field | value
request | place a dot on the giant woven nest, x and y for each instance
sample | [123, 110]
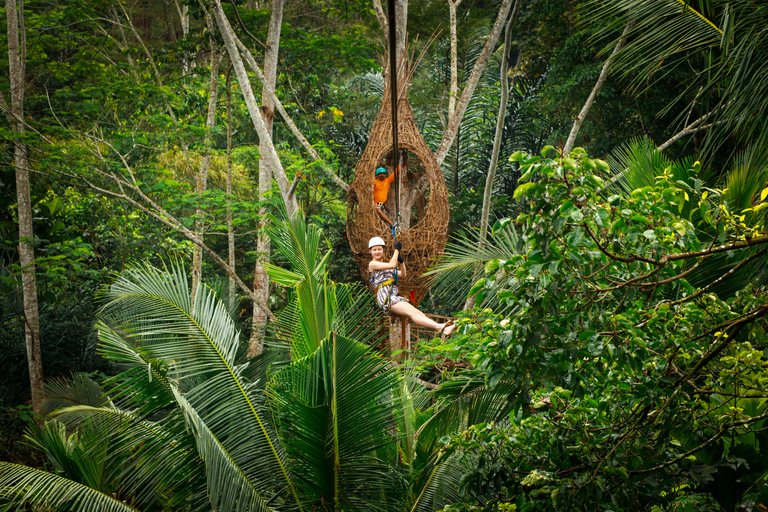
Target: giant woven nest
[423, 204]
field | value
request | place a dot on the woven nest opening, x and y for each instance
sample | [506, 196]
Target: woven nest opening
[424, 206]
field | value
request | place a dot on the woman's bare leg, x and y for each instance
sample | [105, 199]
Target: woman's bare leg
[407, 309]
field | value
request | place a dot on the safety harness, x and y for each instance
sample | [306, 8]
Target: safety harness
[389, 295]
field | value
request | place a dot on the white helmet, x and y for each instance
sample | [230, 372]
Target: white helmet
[373, 242]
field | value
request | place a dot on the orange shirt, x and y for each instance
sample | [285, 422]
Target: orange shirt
[381, 188]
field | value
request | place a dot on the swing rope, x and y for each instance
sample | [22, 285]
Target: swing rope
[394, 97]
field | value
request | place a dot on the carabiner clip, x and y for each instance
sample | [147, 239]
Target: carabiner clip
[396, 229]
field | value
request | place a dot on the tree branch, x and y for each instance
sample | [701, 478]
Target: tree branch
[159, 213]
[279, 106]
[466, 95]
[600, 80]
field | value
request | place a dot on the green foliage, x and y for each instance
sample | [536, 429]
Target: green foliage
[723, 59]
[599, 318]
[186, 424]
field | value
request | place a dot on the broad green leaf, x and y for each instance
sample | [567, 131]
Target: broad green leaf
[522, 189]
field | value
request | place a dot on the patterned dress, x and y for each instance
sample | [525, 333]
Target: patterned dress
[386, 294]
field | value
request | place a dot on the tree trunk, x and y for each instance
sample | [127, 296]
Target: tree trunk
[401, 13]
[499, 124]
[291, 125]
[230, 225]
[250, 100]
[183, 11]
[201, 180]
[16, 63]
[454, 91]
[489, 180]
[474, 77]
[452, 8]
[381, 16]
[124, 46]
[260, 278]
[591, 99]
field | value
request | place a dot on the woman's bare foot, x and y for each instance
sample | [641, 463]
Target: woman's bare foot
[446, 329]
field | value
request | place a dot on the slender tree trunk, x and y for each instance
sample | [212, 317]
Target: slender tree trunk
[452, 9]
[401, 12]
[455, 177]
[591, 99]
[250, 100]
[489, 180]
[260, 277]
[499, 123]
[16, 63]
[201, 180]
[230, 224]
[454, 91]
[288, 121]
[170, 21]
[147, 53]
[183, 11]
[119, 24]
[381, 16]
[474, 77]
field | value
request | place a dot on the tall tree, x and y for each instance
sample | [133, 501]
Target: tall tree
[453, 123]
[230, 219]
[17, 49]
[255, 112]
[260, 278]
[504, 79]
[453, 7]
[201, 180]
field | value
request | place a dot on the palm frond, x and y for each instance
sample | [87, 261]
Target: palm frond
[143, 386]
[655, 36]
[26, 485]
[467, 402]
[148, 460]
[79, 390]
[368, 84]
[466, 256]
[299, 243]
[438, 484]
[746, 179]
[154, 308]
[336, 408]
[229, 487]
[723, 52]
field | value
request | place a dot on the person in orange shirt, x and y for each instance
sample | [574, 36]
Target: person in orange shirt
[381, 185]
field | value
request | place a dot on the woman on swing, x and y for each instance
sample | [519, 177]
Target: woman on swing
[381, 275]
